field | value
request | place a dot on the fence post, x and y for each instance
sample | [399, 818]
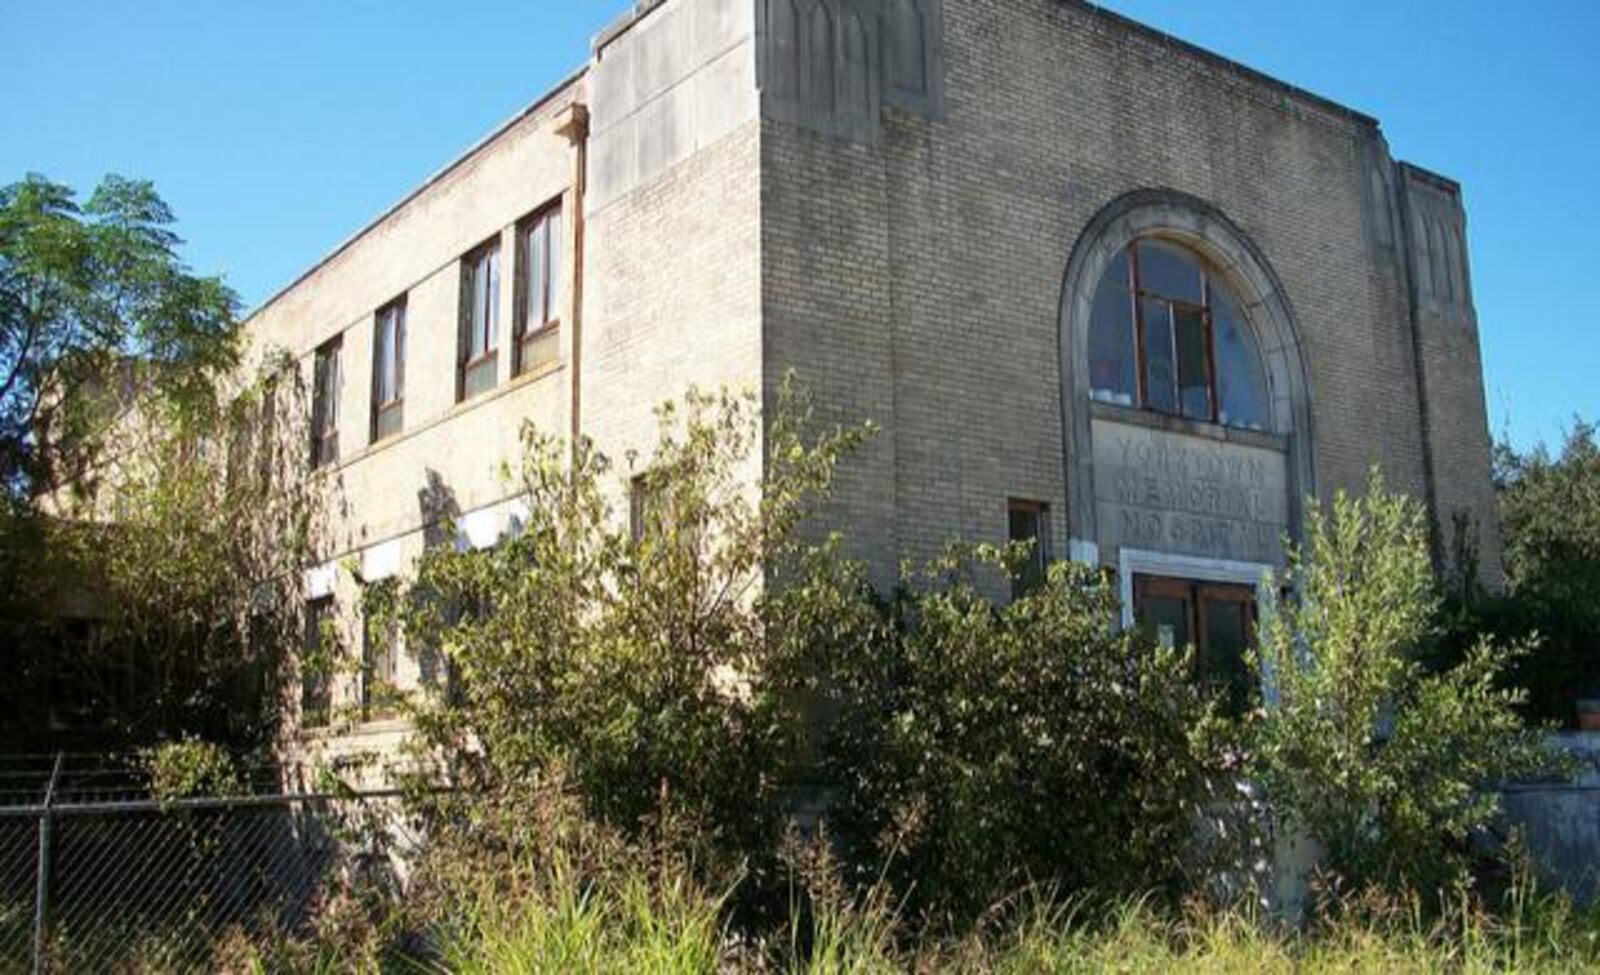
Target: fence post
[41, 901]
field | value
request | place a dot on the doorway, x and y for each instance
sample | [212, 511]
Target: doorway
[1217, 618]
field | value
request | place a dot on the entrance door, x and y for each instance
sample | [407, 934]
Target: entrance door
[1218, 619]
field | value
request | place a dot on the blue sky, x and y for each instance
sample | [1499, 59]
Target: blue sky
[277, 129]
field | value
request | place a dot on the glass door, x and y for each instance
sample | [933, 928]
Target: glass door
[1218, 619]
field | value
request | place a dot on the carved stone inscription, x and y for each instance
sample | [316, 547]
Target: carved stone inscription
[1168, 492]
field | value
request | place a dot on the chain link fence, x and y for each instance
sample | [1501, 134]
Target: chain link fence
[95, 878]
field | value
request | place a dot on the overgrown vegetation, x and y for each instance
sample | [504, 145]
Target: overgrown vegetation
[155, 516]
[648, 668]
[981, 745]
[1386, 764]
[667, 725]
[587, 900]
[1550, 526]
[970, 746]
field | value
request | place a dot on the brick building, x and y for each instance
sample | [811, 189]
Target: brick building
[1096, 285]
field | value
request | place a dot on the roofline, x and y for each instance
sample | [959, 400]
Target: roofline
[1244, 70]
[439, 174]
[1438, 181]
[624, 22]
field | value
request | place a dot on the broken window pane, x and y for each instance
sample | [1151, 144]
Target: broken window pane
[1194, 389]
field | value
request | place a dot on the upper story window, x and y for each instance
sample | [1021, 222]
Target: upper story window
[480, 320]
[1167, 336]
[539, 247]
[325, 403]
[388, 368]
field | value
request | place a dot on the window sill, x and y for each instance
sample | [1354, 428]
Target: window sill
[1150, 419]
[455, 410]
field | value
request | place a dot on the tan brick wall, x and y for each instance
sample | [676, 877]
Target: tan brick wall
[911, 271]
[918, 281]
[673, 297]
[415, 250]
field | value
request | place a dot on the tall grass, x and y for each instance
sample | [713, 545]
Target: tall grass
[640, 923]
[563, 921]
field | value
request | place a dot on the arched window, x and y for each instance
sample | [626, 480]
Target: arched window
[1166, 335]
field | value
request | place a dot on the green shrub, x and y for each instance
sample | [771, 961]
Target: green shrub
[192, 768]
[1386, 764]
[638, 667]
[982, 745]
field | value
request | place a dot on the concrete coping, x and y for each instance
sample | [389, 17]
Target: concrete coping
[1226, 63]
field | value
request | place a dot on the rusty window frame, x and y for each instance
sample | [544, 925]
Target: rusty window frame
[468, 329]
[1137, 292]
[523, 325]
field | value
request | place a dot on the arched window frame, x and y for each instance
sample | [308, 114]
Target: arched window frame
[1141, 295]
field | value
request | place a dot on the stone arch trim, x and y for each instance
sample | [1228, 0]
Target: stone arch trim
[1202, 227]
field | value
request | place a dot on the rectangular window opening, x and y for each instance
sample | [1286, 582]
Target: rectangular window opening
[388, 369]
[480, 313]
[379, 654]
[539, 289]
[325, 403]
[1028, 521]
[316, 663]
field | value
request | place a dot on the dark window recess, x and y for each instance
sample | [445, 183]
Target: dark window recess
[1217, 619]
[1028, 521]
[1166, 336]
[539, 290]
[480, 320]
[379, 653]
[325, 403]
[388, 369]
[639, 507]
[316, 697]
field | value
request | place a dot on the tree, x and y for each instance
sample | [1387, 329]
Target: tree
[639, 666]
[1388, 765]
[1550, 510]
[94, 303]
[155, 515]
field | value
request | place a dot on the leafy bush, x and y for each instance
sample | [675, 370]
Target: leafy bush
[1385, 763]
[980, 746]
[638, 666]
[190, 768]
